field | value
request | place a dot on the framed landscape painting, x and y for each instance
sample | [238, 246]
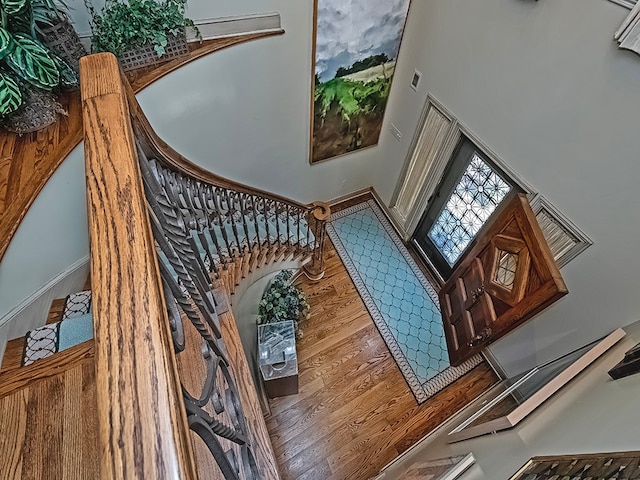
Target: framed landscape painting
[356, 44]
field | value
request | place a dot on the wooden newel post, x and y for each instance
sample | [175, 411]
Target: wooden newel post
[143, 429]
[321, 212]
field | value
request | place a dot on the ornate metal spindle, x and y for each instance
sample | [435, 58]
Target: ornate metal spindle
[309, 221]
[194, 248]
[204, 241]
[298, 221]
[255, 246]
[286, 216]
[276, 210]
[230, 201]
[218, 221]
[265, 213]
[256, 221]
[210, 216]
[243, 199]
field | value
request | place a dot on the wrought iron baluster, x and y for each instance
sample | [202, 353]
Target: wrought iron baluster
[243, 199]
[266, 220]
[230, 201]
[276, 210]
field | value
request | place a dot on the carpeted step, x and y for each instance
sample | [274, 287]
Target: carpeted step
[75, 327]
[14, 352]
[77, 305]
[45, 341]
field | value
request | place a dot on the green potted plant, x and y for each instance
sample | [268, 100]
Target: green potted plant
[282, 300]
[140, 32]
[29, 72]
[52, 25]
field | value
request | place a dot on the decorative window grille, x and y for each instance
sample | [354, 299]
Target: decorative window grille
[473, 200]
[469, 191]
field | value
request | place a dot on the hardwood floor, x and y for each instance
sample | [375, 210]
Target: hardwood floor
[49, 428]
[354, 412]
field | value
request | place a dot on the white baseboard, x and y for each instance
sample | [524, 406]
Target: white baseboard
[232, 26]
[32, 311]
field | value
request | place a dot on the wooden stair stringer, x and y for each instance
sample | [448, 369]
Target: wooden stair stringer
[14, 350]
[18, 378]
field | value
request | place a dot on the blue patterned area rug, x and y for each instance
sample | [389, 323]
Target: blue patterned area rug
[402, 302]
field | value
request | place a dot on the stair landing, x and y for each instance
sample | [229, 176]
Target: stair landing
[50, 428]
[48, 413]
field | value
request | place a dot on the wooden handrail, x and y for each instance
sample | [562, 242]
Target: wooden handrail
[162, 231]
[143, 426]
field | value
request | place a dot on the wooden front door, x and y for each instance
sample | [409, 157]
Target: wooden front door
[507, 277]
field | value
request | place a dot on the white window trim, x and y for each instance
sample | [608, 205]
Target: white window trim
[625, 3]
[436, 170]
[564, 226]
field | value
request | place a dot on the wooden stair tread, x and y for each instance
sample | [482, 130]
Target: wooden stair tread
[14, 379]
[50, 428]
[56, 310]
[12, 355]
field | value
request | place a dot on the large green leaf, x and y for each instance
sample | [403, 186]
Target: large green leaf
[14, 7]
[6, 42]
[10, 95]
[32, 62]
[68, 76]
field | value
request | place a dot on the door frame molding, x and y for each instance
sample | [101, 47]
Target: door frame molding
[456, 131]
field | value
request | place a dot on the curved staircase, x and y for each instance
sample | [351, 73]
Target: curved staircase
[164, 389]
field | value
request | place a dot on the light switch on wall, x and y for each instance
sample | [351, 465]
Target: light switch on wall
[415, 80]
[395, 132]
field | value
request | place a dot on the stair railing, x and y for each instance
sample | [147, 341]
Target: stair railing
[214, 201]
[163, 232]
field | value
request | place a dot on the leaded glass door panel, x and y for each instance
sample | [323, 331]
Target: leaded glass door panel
[470, 191]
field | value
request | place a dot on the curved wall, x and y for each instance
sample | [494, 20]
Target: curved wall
[244, 113]
[52, 237]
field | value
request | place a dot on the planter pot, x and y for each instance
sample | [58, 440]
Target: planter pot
[146, 56]
[62, 39]
[40, 109]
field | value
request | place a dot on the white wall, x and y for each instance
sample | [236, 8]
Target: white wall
[52, 237]
[543, 85]
[244, 113]
[592, 414]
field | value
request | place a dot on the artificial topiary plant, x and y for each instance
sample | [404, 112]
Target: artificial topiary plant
[122, 25]
[283, 301]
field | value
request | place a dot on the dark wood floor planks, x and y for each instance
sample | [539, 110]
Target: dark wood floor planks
[354, 412]
[49, 429]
